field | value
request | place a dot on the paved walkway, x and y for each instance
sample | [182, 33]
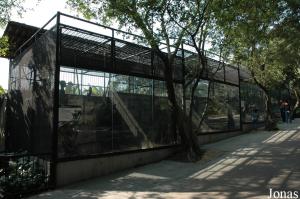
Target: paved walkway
[245, 166]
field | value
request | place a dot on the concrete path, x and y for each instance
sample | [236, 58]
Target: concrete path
[245, 166]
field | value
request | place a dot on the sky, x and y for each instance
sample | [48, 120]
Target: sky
[40, 14]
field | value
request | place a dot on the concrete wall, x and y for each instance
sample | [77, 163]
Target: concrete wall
[208, 138]
[214, 137]
[78, 170]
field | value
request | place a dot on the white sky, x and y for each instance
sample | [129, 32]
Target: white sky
[40, 14]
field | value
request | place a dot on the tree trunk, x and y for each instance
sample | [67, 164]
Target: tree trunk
[296, 105]
[270, 123]
[184, 123]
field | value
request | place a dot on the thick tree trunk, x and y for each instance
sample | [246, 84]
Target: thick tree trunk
[188, 136]
[184, 123]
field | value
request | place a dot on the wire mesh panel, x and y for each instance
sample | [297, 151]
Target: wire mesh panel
[215, 107]
[215, 69]
[80, 48]
[85, 113]
[2, 122]
[223, 111]
[245, 75]
[212, 69]
[30, 102]
[104, 112]
[132, 58]
[252, 99]
[231, 75]
[178, 69]
[159, 67]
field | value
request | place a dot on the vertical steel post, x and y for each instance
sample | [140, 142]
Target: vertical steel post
[153, 88]
[240, 102]
[7, 106]
[113, 51]
[55, 104]
[113, 60]
[224, 69]
[183, 77]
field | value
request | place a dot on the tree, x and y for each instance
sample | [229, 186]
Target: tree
[2, 91]
[2, 95]
[288, 52]
[3, 46]
[168, 21]
[6, 9]
[247, 26]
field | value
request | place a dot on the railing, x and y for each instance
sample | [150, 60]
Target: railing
[22, 174]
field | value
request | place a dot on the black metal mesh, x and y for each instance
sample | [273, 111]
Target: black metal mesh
[132, 74]
[132, 59]
[215, 69]
[218, 104]
[80, 48]
[2, 122]
[104, 112]
[30, 102]
[158, 66]
[252, 98]
[231, 75]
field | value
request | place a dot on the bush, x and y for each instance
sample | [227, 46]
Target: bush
[21, 176]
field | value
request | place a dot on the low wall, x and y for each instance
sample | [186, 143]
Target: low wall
[213, 137]
[247, 127]
[73, 171]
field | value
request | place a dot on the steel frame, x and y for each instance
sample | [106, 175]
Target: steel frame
[58, 28]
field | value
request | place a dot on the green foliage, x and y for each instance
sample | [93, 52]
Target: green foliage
[93, 91]
[157, 20]
[287, 51]
[21, 176]
[6, 7]
[247, 26]
[3, 46]
[97, 91]
[72, 88]
[2, 91]
[261, 36]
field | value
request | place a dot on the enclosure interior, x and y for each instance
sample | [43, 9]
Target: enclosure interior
[216, 97]
[252, 99]
[112, 96]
